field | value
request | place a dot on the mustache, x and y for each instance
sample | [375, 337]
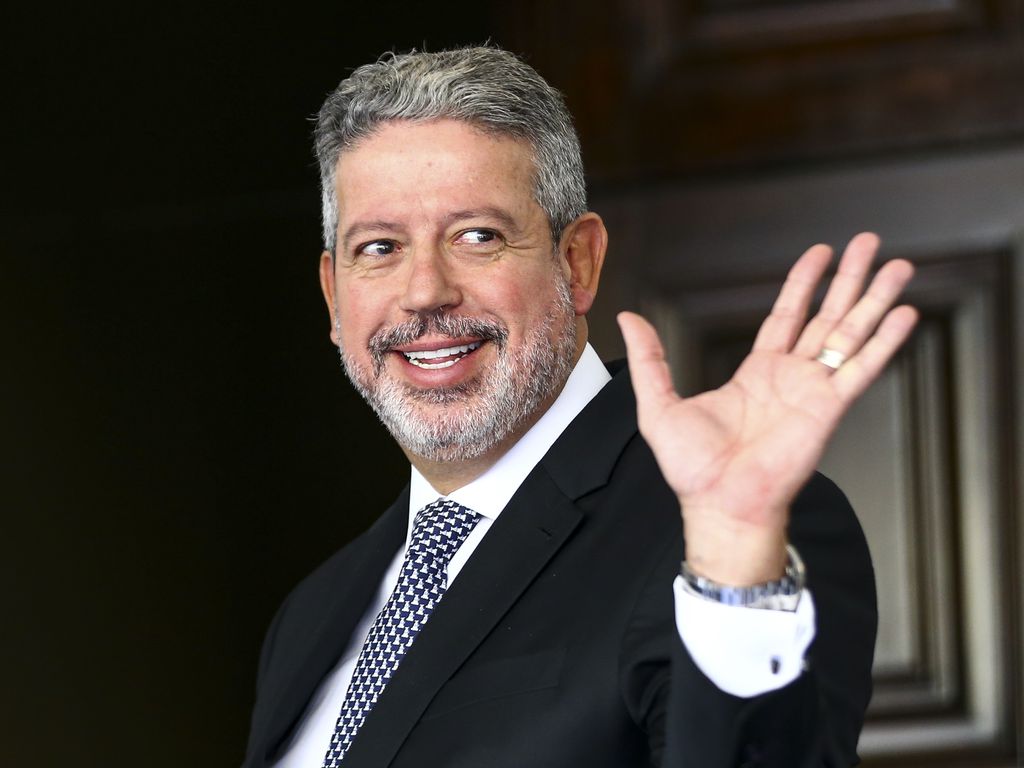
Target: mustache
[439, 323]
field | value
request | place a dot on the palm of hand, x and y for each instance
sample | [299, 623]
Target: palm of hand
[737, 456]
[749, 445]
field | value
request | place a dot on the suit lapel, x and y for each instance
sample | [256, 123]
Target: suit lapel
[356, 586]
[582, 459]
[538, 520]
[529, 531]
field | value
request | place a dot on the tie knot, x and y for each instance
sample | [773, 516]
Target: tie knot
[440, 528]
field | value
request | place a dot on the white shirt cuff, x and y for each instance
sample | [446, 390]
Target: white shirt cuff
[744, 651]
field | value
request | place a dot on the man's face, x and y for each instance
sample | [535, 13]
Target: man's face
[453, 310]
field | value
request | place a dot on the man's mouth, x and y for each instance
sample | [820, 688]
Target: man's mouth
[445, 357]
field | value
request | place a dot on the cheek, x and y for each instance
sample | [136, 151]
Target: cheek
[359, 314]
[531, 288]
[523, 304]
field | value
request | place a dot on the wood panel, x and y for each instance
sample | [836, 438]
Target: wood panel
[928, 457]
[664, 87]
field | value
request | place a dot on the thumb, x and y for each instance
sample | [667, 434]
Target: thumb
[652, 382]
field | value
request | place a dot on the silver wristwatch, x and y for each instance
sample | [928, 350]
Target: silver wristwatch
[781, 595]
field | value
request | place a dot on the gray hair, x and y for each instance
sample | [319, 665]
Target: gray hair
[486, 87]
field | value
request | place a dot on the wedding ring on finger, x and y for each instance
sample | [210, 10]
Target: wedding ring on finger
[831, 358]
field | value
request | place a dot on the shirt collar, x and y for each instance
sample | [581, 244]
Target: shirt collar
[489, 493]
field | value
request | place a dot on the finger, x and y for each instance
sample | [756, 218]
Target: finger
[652, 381]
[861, 321]
[858, 373]
[843, 292]
[779, 330]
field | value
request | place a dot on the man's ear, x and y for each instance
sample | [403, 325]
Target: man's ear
[584, 243]
[327, 286]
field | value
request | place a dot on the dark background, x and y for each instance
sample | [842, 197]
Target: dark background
[180, 444]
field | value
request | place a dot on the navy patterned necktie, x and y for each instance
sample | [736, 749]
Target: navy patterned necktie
[438, 531]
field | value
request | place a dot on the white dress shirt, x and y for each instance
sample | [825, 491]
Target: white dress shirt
[745, 652]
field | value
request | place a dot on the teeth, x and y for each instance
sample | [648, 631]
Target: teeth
[429, 354]
[434, 366]
[421, 357]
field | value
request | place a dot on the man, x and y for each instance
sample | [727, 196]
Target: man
[521, 603]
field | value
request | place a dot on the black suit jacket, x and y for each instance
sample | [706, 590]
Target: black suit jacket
[556, 646]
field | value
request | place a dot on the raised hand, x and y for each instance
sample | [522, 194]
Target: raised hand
[737, 456]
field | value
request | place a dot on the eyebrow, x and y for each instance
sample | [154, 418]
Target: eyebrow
[361, 227]
[487, 211]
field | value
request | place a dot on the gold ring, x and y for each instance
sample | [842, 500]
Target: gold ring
[832, 358]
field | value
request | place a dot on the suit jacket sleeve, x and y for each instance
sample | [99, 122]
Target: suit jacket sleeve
[816, 720]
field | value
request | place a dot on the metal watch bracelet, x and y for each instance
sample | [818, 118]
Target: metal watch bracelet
[780, 595]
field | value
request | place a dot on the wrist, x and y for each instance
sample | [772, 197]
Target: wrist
[734, 553]
[781, 594]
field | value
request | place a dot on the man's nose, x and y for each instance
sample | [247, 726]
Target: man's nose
[431, 283]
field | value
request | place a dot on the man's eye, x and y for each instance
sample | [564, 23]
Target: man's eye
[377, 248]
[478, 237]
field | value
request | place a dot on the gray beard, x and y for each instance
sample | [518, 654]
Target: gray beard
[468, 420]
